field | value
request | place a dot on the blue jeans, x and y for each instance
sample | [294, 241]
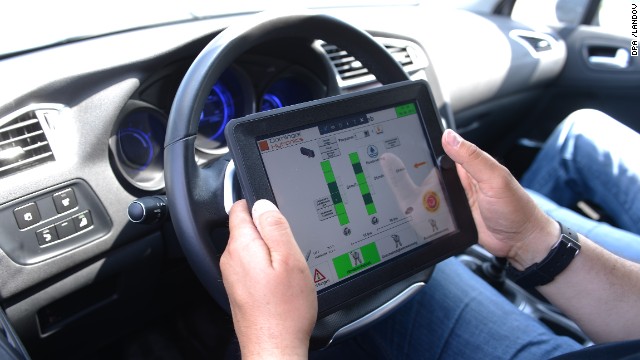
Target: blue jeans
[591, 156]
[456, 316]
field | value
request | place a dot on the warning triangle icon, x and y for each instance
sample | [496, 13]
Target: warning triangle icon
[317, 276]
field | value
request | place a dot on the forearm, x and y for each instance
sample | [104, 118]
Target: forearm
[600, 292]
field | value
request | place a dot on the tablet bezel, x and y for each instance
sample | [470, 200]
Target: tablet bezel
[242, 135]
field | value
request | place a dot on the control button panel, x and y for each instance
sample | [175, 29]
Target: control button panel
[47, 236]
[82, 221]
[65, 201]
[65, 228]
[51, 222]
[27, 215]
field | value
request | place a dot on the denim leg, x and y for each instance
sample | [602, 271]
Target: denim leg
[620, 242]
[591, 156]
[456, 316]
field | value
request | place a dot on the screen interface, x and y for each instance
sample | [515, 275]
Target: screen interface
[357, 191]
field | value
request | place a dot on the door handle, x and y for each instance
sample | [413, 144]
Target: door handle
[619, 60]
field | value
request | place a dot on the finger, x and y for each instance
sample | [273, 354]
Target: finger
[465, 179]
[240, 220]
[398, 178]
[275, 231]
[243, 235]
[477, 163]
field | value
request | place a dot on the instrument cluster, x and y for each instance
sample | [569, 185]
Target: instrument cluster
[137, 142]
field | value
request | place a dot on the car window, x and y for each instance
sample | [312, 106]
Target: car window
[34, 23]
[615, 16]
[478, 6]
[37, 23]
[571, 12]
[550, 12]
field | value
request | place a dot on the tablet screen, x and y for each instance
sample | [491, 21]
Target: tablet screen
[358, 191]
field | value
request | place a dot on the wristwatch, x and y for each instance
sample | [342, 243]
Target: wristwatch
[543, 272]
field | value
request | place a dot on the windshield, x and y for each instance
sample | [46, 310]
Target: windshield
[37, 23]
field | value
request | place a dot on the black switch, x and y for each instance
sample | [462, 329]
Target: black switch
[82, 221]
[47, 235]
[65, 229]
[27, 215]
[65, 201]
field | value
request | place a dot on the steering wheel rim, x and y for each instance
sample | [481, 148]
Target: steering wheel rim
[195, 198]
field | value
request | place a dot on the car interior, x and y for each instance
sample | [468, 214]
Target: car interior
[115, 173]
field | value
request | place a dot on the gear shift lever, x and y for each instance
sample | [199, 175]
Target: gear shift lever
[494, 272]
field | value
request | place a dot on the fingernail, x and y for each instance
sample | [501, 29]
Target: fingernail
[261, 206]
[453, 139]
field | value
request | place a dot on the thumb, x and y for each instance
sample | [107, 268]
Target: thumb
[275, 231]
[477, 163]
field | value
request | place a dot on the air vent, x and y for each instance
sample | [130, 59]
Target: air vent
[23, 142]
[345, 65]
[351, 72]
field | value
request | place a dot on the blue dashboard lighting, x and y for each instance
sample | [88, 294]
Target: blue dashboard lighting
[270, 102]
[218, 110]
[137, 147]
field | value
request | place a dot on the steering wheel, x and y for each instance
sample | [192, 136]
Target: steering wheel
[196, 194]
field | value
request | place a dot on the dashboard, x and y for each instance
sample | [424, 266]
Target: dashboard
[82, 134]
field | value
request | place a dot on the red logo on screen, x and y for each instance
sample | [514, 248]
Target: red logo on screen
[263, 145]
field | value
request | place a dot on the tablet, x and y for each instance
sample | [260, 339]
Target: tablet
[364, 182]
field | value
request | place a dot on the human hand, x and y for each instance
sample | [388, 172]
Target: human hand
[509, 222]
[273, 300]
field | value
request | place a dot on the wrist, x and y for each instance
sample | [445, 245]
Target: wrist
[273, 350]
[275, 354]
[535, 247]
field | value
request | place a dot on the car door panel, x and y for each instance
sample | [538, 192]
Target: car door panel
[599, 73]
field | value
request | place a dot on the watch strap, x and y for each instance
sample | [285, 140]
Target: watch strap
[543, 272]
